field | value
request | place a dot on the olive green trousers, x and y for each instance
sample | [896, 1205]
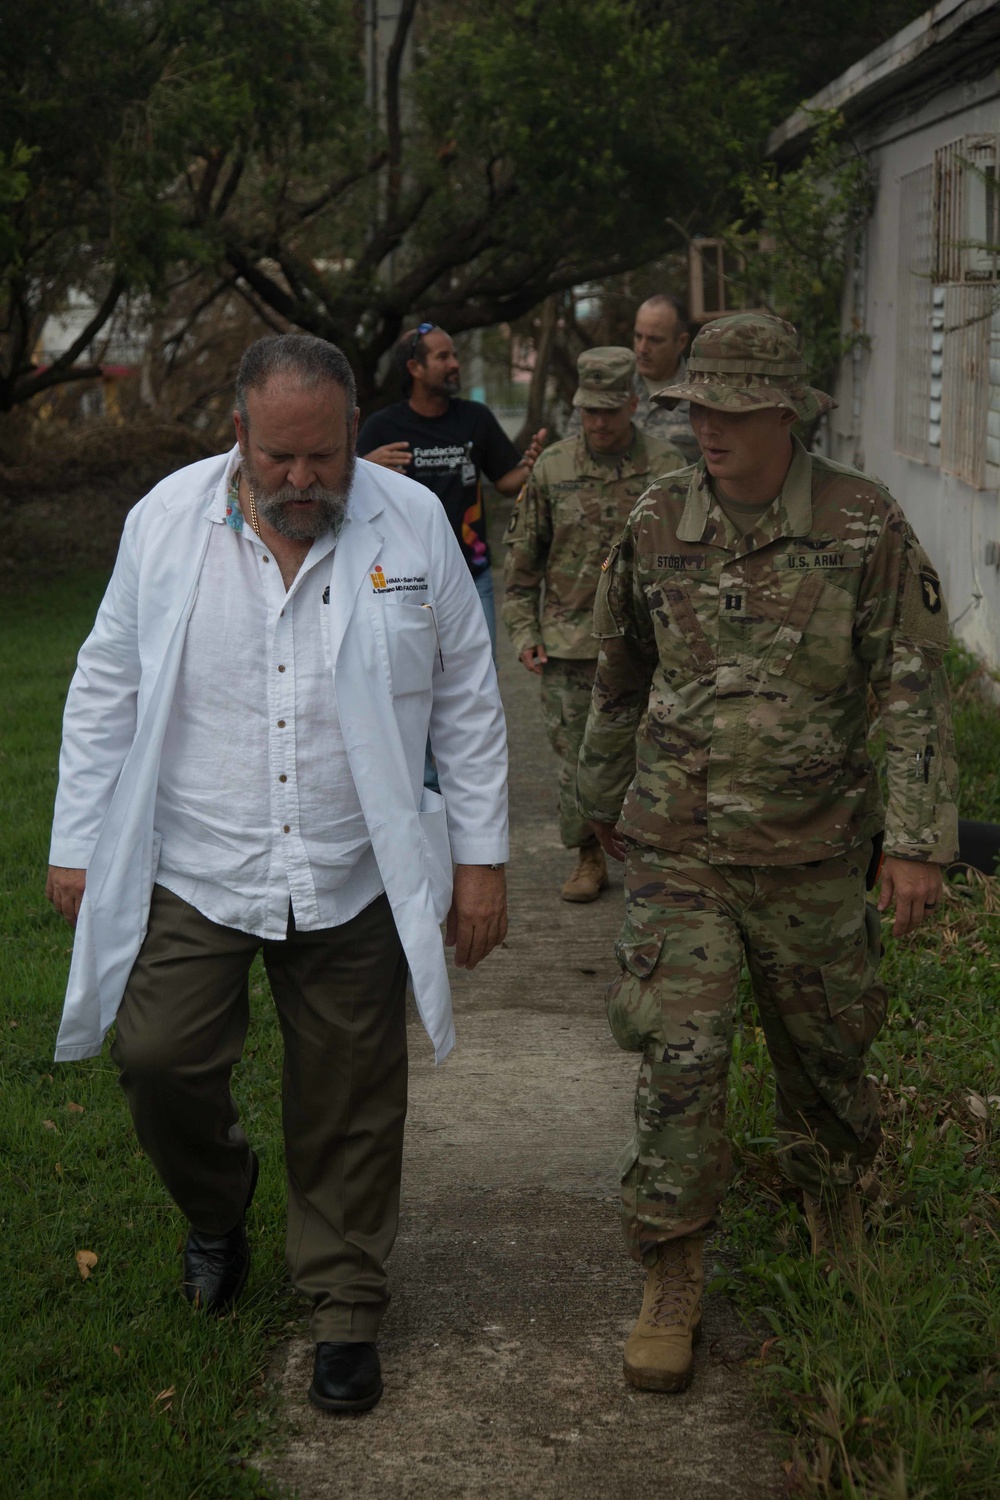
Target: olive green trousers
[340, 998]
[566, 691]
[812, 946]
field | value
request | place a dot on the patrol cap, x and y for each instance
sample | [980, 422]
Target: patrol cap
[746, 362]
[606, 377]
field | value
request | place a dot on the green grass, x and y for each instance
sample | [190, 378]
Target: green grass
[109, 1386]
[978, 739]
[885, 1376]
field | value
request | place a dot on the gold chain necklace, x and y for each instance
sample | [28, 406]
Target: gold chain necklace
[253, 507]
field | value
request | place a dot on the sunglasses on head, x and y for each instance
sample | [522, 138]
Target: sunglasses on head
[418, 335]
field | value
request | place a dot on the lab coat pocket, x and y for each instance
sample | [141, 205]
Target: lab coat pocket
[412, 641]
[437, 850]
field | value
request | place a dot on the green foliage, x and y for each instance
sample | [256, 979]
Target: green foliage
[795, 238]
[106, 108]
[522, 154]
[977, 730]
[798, 49]
[109, 1386]
[579, 138]
[534, 145]
[14, 185]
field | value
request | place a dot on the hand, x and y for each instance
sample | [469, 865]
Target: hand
[533, 449]
[478, 917]
[915, 886]
[64, 888]
[534, 658]
[391, 456]
[610, 840]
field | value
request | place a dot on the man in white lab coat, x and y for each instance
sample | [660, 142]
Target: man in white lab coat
[241, 770]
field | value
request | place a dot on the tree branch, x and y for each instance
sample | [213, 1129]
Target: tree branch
[263, 285]
[23, 390]
[209, 177]
[390, 235]
[229, 187]
[59, 371]
[393, 122]
[260, 308]
[174, 340]
[306, 211]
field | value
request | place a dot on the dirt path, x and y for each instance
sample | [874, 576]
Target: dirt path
[501, 1352]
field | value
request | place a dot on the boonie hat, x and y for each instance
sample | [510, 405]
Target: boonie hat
[606, 377]
[746, 362]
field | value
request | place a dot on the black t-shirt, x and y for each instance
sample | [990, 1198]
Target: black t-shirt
[448, 454]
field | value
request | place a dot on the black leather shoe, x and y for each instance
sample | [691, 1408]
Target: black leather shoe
[216, 1266]
[346, 1377]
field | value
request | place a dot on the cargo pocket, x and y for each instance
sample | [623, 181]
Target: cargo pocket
[856, 1004]
[823, 657]
[633, 999]
[814, 643]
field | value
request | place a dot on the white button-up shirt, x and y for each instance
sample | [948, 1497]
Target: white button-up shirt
[256, 805]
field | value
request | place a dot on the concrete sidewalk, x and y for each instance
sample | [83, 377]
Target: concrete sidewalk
[512, 1291]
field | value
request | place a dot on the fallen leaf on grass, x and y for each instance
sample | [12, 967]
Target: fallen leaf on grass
[117, 1349]
[86, 1260]
[977, 1106]
[75, 1109]
[59, 1170]
[164, 1397]
[50, 1125]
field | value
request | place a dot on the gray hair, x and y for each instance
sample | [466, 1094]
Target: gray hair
[308, 360]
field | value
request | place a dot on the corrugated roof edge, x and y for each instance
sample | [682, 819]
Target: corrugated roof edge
[884, 71]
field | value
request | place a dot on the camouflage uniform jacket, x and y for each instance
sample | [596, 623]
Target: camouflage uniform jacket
[567, 517]
[666, 426]
[730, 708]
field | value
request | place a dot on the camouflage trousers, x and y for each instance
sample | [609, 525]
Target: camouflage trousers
[812, 946]
[566, 690]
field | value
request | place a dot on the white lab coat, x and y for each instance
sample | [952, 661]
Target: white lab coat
[408, 652]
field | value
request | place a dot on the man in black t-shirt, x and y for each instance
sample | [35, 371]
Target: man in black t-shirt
[448, 444]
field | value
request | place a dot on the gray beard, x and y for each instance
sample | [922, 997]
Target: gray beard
[273, 507]
[447, 388]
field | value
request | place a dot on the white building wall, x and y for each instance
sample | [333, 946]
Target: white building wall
[954, 521]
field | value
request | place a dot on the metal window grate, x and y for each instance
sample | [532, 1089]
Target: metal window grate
[965, 396]
[966, 210]
[914, 308]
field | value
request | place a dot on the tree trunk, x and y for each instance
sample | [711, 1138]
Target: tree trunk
[535, 414]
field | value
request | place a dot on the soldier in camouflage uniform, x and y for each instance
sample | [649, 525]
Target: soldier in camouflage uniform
[569, 513]
[659, 339]
[752, 603]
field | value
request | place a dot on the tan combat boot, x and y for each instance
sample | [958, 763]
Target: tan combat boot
[658, 1350]
[590, 876]
[835, 1226]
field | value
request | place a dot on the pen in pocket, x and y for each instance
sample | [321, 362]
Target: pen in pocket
[430, 609]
